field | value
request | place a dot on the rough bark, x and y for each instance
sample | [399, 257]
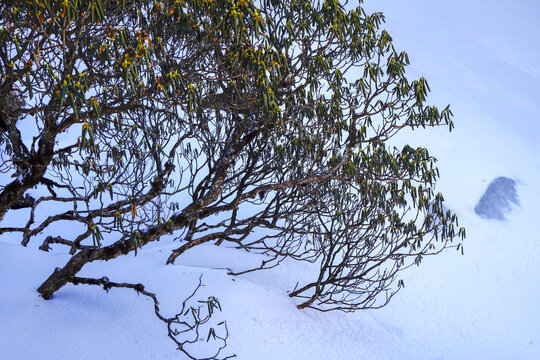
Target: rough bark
[61, 276]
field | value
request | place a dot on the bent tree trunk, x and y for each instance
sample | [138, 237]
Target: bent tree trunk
[61, 276]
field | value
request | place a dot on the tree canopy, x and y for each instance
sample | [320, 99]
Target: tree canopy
[261, 124]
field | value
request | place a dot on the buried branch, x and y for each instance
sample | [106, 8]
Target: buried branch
[185, 326]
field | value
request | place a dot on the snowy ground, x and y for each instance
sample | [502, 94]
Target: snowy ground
[482, 57]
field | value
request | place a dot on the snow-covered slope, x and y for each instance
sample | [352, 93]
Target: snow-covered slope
[483, 58]
[480, 56]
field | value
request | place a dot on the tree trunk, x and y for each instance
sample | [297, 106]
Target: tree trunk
[61, 276]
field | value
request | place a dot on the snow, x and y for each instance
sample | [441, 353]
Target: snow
[480, 56]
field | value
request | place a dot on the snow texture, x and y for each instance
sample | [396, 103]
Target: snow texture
[483, 58]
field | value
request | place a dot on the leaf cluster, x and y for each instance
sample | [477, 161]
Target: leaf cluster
[265, 125]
